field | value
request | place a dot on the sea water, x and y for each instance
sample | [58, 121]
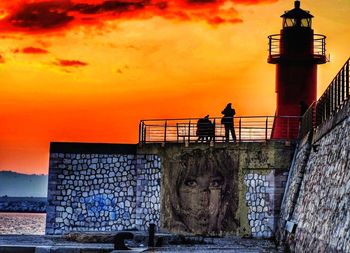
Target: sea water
[22, 223]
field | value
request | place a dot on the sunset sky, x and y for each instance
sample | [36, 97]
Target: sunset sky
[89, 70]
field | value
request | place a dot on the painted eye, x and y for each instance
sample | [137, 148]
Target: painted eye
[191, 183]
[215, 183]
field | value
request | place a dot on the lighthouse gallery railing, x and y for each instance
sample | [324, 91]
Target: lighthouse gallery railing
[275, 46]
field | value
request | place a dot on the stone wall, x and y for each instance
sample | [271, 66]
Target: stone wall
[223, 189]
[97, 187]
[321, 209]
[264, 196]
[196, 189]
[148, 191]
[296, 175]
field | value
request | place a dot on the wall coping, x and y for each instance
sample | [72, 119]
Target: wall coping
[95, 148]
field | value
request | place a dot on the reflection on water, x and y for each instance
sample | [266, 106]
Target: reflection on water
[22, 223]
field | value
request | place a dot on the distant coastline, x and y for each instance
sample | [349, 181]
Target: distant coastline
[22, 204]
[15, 184]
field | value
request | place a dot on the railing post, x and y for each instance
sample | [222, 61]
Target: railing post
[347, 78]
[317, 111]
[140, 137]
[338, 91]
[189, 131]
[144, 133]
[313, 115]
[165, 128]
[214, 125]
[331, 100]
[334, 96]
[266, 125]
[324, 46]
[343, 84]
[240, 130]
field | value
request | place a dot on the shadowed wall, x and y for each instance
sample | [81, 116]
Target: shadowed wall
[225, 189]
[198, 190]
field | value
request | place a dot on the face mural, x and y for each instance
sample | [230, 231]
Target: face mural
[204, 193]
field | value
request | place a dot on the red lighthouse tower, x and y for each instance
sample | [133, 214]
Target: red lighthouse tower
[296, 51]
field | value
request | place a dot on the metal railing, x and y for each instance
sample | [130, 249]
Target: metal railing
[335, 95]
[188, 130]
[331, 101]
[275, 48]
[308, 122]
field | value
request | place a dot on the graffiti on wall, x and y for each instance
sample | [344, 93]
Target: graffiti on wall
[201, 194]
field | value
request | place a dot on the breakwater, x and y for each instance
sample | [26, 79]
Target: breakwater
[315, 213]
[23, 204]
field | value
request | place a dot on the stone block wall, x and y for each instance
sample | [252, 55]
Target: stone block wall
[231, 189]
[97, 187]
[197, 189]
[321, 211]
[296, 175]
[263, 197]
[148, 191]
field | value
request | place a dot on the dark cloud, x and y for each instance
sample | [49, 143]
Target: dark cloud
[110, 6]
[201, 1]
[70, 63]
[41, 15]
[2, 59]
[31, 50]
[218, 20]
[50, 15]
[254, 1]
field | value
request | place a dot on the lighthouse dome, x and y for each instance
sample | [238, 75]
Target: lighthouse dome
[297, 17]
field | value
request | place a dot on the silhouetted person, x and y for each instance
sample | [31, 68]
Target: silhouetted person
[227, 121]
[205, 129]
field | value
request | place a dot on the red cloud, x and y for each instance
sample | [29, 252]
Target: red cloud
[2, 60]
[32, 50]
[254, 1]
[70, 63]
[50, 15]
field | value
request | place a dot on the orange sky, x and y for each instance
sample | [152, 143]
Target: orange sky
[89, 70]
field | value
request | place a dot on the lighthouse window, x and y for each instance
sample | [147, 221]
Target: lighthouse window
[295, 22]
[306, 22]
[289, 22]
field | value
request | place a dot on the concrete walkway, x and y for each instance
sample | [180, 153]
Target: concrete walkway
[56, 244]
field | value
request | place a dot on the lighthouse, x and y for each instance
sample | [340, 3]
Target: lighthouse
[296, 52]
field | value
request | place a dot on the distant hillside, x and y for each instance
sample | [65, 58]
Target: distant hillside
[15, 184]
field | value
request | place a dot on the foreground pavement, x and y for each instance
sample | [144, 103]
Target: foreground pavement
[58, 244]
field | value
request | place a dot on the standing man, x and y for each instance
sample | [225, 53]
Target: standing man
[227, 121]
